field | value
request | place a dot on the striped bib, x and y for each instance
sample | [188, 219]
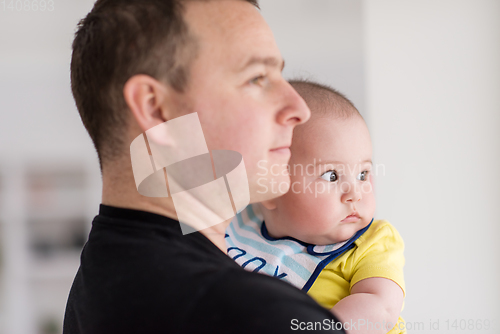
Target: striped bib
[289, 259]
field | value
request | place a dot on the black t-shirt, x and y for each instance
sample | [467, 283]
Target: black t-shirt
[139, 274]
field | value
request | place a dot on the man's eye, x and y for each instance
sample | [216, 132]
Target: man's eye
[330, 176]
[257, 80]
[363, 176]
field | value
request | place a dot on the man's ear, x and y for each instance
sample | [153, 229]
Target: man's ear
[146, 97]
[269, 204]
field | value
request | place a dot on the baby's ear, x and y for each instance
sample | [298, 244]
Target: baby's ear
[269, 204]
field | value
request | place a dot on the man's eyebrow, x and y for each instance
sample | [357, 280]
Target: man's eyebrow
[268, 61]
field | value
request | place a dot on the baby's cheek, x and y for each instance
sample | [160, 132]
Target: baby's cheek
[304, 207]
[370, 204]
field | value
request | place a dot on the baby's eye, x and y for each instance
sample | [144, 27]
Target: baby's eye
[330, 176]
[363, 176]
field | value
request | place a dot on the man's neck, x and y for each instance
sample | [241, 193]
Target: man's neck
[119, 190]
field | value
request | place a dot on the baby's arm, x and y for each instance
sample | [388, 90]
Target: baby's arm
[376, 300]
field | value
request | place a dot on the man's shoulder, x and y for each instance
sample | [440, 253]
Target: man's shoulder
[140, 279]
[222, 300]
[247, 302]
[132, 280]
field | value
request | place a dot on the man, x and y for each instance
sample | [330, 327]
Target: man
[137, 64]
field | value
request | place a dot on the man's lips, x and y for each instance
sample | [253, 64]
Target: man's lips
[353, 217]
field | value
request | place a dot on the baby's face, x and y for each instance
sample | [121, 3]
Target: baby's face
[331, 194]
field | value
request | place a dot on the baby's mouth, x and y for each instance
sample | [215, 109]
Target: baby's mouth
[351, 218]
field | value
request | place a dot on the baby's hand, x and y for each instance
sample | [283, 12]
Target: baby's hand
[372, 307]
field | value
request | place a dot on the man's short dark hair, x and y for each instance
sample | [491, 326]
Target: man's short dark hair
[324, 100]
[115, 41]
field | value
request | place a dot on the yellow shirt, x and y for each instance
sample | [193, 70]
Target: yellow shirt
[378, 253]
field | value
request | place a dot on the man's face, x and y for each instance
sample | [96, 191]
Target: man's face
[331, 180]
[235, 86]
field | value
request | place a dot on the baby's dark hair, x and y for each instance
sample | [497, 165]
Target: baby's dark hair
[324, 100]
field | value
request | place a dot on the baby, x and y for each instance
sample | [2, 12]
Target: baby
[321, 236]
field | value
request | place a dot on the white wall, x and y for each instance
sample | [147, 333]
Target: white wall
[39, 128]
[37, 113]
[433, 83]
[321, 40]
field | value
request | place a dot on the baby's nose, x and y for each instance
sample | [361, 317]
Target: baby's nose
[351, 193]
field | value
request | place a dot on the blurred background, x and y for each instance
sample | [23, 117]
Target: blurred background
[425, 74]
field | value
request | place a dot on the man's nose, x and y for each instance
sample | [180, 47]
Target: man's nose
[296, 110]
[351, 193]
